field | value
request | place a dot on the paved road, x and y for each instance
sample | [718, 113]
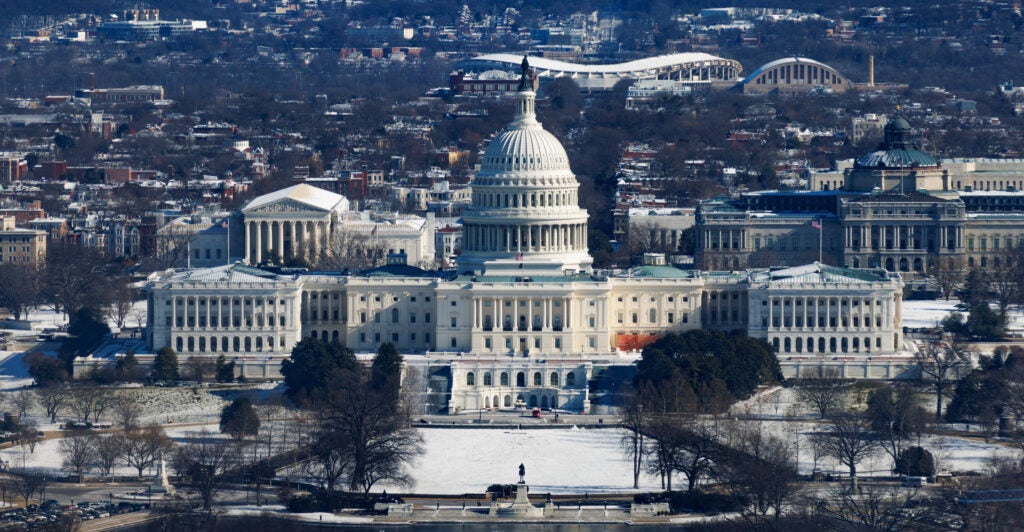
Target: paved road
[116, 521]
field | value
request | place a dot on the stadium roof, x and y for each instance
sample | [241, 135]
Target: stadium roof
[660, 62]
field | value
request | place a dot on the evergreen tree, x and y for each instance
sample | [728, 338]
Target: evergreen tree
[314, 367]
[239, 419]
[225, 369]
[165, 365]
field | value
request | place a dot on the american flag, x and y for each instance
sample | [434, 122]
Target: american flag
[519, 256]
[816, 223]
[224, 224]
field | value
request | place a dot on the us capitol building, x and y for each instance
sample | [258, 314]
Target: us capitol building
[524, 321]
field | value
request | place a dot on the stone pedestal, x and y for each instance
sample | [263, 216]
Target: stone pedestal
[522, 507]
[160, 485]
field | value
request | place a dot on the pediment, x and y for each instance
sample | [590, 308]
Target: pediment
[284, 205]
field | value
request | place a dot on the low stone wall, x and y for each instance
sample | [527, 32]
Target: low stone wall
[252, 367]
[17, 325]
[879, 368]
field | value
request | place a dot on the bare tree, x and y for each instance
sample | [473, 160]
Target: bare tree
[141, 447]
[821, 388]
[948, 276]
[761, 468]
[109, 449]
[75, 277]
[349, 250]
[699, 442]
[21, 401]
[53, 399]
[89, 403]
[1004, 278]
[849, 440]
[377, 426]
[123, 299]
[665, 448]
[172, 244]
[19, 288]
[329, 462]
[876, 508]
[941, 365]
[29, 484]
[78, 451]
[138, 314]
[27, 437]
[635, 422]
[204, 460]
[896, 416]
[127, 410]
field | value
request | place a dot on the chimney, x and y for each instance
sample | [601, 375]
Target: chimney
[871, 71]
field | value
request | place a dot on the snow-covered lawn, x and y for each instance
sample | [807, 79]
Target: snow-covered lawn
[567, 460]
[13, 373]
[925, 314]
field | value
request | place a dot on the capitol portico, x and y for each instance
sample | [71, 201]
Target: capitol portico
[293, 223]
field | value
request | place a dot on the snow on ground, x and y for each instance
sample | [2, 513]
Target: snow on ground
[277, 510]
[557, 460]
[926, 314]
[13, 374]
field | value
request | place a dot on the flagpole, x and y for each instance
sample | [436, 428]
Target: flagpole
[820, 228]
[227, 223]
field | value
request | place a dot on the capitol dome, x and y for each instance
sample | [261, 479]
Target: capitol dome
[528, 149]
[525, 214]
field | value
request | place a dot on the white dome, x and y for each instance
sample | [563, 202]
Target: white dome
[524, 149]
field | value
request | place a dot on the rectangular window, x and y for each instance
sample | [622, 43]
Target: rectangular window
[454, 343]
[412, 317]
[487, 343]
[558, 343]
[454, 322]
[671, 317]
[376, 338]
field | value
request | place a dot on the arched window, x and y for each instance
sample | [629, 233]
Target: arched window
[508, 401]
[191, 343]
[570, 379]
[487, 378]
[470, 379]
[521, 379]
[504, 378]
[538, 379]
[179, 345]
[224, 343]
[553, 381]
[653, 315]
[394, 315]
